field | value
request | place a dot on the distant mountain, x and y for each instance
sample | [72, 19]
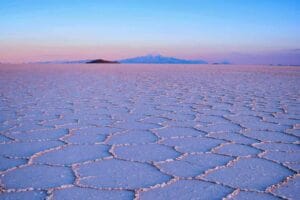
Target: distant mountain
[90, 61]
[98, 61]
[148, 59]
[158, 59]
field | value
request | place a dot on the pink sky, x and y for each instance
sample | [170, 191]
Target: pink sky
[17, 53]
[248, 31]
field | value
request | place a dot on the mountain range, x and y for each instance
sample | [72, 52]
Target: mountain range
[159, 59]
[148, 59]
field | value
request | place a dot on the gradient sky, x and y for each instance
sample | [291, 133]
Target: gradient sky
[241, 31]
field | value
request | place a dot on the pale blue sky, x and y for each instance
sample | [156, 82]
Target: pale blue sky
[236, 30]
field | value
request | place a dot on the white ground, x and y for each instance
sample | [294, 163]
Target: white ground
[149, 132]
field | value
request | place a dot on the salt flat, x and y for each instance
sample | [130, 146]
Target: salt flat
[149, 132]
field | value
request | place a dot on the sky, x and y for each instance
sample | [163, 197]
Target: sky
[239, 31]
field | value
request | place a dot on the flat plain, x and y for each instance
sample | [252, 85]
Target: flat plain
[149, 132]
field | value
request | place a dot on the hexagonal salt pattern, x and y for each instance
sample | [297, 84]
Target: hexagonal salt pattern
[250, 173]
[73, 154]
[132, 137]
[178, 131]
[248, 195]
[28, 195]
[290, 188]
[149, 132]
[192, 144]
[85, 139]
[50, 134]
[120, 174]
[237, 150]
[6, 163]
[77, 193]
[193, 165]
[187, 189]
[146, 152]
[27, 149]
[38, 176]
[233, 137]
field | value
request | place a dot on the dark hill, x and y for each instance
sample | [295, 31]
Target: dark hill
[97, 61]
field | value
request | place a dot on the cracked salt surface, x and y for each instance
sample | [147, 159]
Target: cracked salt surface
[37, 176]
[120, 174]
[145, 152]
[27, 149]
[187, 189]
[132, 137]
[28, 195]
[149, 132]
[77, 193]
[236, 150]
[250, 173]
[242, 195]
[193, 165]
[192, 144]
[40, 135]
[73, 154]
